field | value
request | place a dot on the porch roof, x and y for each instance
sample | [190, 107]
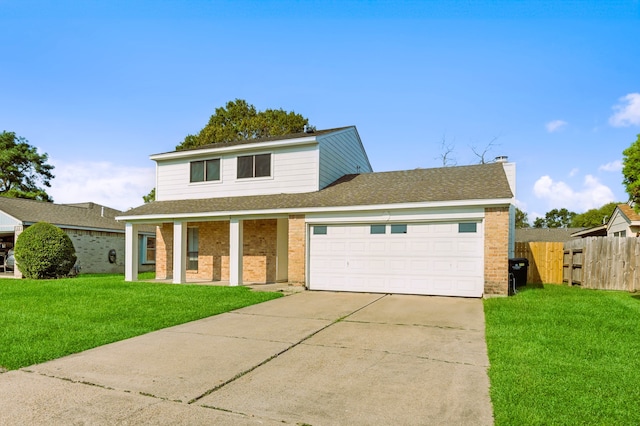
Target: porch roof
[463, 183]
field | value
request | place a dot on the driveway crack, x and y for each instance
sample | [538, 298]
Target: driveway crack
[285, 350]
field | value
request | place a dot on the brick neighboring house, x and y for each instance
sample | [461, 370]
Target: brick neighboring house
[307, 208]
[92, 228]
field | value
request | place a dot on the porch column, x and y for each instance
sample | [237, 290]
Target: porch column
[17, 230]
[179, 252]
[235, 251]
[131, 252]
[282, 250]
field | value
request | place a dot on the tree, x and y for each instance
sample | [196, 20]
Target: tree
[555, 219]
[446, 155]
[44, 251]
[594, 217]
[522, 219]
[485, 151]
[239, 120]
[22, 169]
[151, 196]
[631, 171]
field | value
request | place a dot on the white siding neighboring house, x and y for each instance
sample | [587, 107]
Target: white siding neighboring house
[624, 222]
[307, 208]
[92, 228]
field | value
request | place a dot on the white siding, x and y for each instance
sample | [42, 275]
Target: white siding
[7, 223]
[619, 224]
[340, 154]
[294, 170]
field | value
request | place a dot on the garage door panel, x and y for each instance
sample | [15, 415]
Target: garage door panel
[429, 259]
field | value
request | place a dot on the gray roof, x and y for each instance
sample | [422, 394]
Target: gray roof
[269, 139]
[559, 235]
[478, 182]
[84, 215]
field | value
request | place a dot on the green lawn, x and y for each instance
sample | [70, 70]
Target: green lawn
[564, 355]
[46, 319]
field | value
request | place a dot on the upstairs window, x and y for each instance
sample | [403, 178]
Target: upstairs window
[250, 166]
[205, 170]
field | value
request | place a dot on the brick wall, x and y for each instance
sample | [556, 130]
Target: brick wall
[92, 250]
[164, 251]
[496, 251]
[259, 247]
[297, 249]
[260, 250]
[213, 251]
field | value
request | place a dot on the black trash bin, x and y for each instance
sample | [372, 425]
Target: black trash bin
[518, 268]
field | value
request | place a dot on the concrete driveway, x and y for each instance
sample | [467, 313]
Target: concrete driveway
[316, 358]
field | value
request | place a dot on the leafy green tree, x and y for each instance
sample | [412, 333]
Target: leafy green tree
[522, 219]
[239, 120]
[555, 219]
[631, 171]
[44, 251]
[151, 196]
[558, 218]
[22, 169]
[594, 217]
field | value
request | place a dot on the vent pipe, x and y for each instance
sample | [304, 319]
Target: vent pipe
[501, 159]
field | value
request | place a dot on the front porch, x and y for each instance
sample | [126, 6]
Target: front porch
[232, 250]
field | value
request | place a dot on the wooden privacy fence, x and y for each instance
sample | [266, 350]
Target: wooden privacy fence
[545, 261]
[605, 263]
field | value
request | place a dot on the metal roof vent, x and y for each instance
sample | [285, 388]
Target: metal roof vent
[309, 128]
[501, 159]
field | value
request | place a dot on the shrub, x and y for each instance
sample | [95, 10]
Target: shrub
[44, 251]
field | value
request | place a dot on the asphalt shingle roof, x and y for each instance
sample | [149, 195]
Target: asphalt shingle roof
[85, 215]
[629, 212]
[478, 182]
[259, 140]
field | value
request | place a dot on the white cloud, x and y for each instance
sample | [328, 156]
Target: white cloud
[613, 166]
[555, 125]
[558, 194]
[627, 112]
[105, 183]
[574, 172]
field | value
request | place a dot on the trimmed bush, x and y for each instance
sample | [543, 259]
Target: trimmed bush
[44, 251]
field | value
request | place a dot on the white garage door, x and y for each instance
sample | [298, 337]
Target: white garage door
[443, 259]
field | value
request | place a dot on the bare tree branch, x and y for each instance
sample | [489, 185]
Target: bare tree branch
[482, 154]
[446, 151]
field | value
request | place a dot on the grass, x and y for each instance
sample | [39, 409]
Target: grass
[564, 355]
[46, 319]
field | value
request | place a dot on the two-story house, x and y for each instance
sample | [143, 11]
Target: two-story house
[307, 208]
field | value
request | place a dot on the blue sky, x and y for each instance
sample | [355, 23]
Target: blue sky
[555, 86]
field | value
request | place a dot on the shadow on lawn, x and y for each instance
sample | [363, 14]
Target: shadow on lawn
[531, 286]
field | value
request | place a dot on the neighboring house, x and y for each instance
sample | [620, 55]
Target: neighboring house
[307, 208]
[550, 235]
[596, 231]
[98, 238]
[624, 222]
